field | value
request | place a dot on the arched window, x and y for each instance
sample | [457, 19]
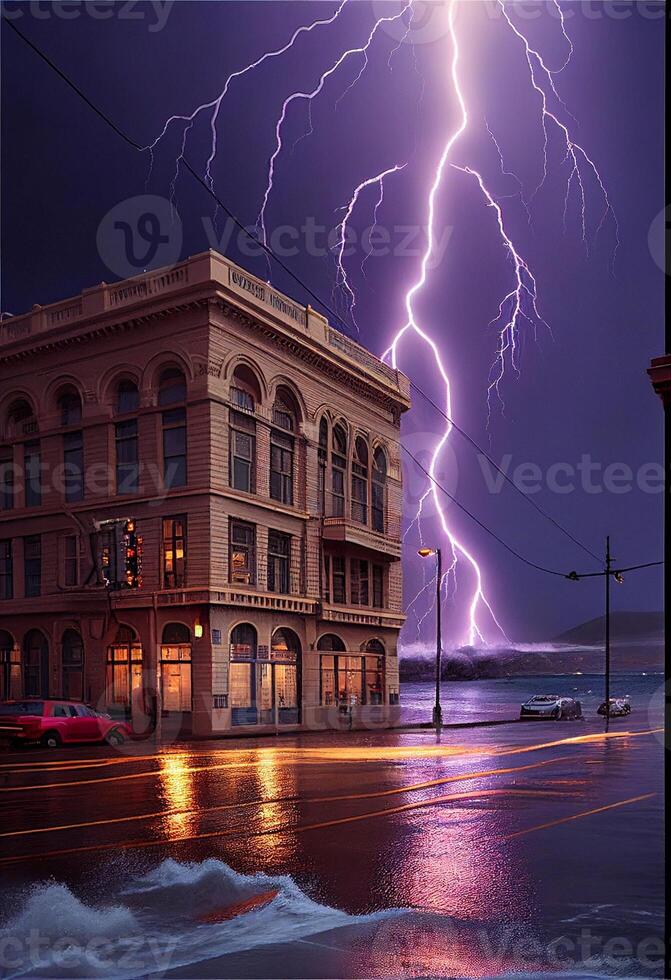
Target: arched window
[375, 646]
[347, 680]
[245, 389]
[286, 664]
[242, 677]
[329, 641]
[21, 422]
[70, 413]
[124, 668]
[21, 419]
[73, 665]
[245, 395]
[6, 478]
[322, 457]
[378, 490]
[282, 447]
[6, 651]
[69, 407]
[127, 397]
[360, 482]
[127, 400]
[176, 634]
[35, 665]
[171, 386]
[176, 667]
[172, 391]
[338, 471]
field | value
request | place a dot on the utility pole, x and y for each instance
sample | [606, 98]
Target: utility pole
[437, 710]
[607, 576]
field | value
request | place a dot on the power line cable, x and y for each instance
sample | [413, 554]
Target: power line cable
[203, 183]
[498, 469]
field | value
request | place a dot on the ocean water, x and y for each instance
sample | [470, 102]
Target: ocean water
[500, 698]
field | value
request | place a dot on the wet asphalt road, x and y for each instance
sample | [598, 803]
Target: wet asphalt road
[558, 826]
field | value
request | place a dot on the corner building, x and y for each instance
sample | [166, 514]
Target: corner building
[256, 451]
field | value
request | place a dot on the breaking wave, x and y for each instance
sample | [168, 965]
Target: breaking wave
[178, 914]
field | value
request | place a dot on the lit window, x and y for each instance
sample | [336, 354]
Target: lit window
[32, 565]
[243, 553]
[174, 552]
[279, 548]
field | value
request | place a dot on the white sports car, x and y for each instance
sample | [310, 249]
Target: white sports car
[551, 707]
[618, 708]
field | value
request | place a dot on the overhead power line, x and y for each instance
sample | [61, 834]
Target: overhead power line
[269, 252]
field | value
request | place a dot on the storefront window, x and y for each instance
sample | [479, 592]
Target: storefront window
[124, 668]
[348, 680]
[264, 686]
[73, 666]
[176, 668]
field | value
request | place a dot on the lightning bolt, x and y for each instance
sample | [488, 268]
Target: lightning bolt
[214, 106]
[342, 279]
[478, 601]
[520, 306]
[309, 97]
[576, 154]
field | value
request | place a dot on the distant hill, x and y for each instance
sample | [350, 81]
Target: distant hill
[625, 627]
[636, 644]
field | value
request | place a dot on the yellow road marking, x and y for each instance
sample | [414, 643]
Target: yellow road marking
[577, 816]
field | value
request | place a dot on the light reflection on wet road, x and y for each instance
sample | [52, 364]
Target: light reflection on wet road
[521, 824]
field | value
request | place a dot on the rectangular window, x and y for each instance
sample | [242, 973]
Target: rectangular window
[243, 553]
[279, 552]
[243, 399]
[70, 560]
[6, 571]
[73, 465]
[377, 506]
[359, 495]
[282, 468]
[174, 448]
[378, 586]
[339, 591]
[32, 565]
[127, 457]
[359, 582]
[338, 487]
[32, 463]
[6, 480]
[109, 558]
[174, 552]
[242, 452]
[327, 578]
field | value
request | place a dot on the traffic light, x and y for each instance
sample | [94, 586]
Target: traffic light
[121, 554]
[132, 555]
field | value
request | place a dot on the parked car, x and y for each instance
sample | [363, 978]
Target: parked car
[552, 707]
[617, 708]
[54, 722]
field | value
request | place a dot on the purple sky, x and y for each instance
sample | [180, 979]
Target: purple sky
[583, 392]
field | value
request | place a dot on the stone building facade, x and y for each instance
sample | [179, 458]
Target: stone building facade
[200, 507]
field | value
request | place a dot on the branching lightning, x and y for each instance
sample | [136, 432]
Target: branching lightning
[342, 280]
[519, 309]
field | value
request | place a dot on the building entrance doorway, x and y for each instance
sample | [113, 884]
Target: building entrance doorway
[265, 685]
[176, 668]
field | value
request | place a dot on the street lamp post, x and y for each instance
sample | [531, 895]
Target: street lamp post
[426, 553]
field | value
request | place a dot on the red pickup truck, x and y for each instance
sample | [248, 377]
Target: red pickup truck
[53, 723]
